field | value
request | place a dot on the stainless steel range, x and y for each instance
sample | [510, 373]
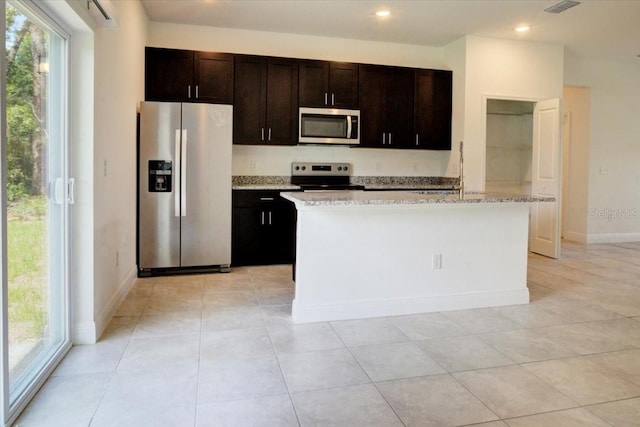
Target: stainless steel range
[312, 176]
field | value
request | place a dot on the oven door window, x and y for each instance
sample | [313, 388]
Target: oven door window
[323, 126]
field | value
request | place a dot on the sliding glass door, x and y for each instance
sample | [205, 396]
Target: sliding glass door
[36, 190]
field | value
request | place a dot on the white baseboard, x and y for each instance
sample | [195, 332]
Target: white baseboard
[84, 333]
[89, 332]
[575, 236]
[613, 238]
[304, 313]
[107, 313]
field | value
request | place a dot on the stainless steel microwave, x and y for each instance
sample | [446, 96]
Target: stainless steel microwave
[329, 126]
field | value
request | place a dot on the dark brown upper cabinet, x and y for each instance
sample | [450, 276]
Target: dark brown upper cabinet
[386, 106]
[432, 118]
[188, 76]
[265, 109]
[328, 84]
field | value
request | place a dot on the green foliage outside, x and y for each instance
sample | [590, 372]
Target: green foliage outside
[26, 253]
[26, 140]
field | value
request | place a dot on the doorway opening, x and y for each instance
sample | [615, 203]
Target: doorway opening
[509, 145]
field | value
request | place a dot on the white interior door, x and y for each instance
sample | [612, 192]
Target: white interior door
[546, 178]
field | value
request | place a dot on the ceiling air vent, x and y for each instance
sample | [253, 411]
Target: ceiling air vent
[562, 6]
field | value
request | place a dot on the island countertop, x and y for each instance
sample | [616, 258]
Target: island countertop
[378, 198]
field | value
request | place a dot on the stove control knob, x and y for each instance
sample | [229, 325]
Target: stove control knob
[297, 168]
[346, 167]
[339, 168]
[304, 168]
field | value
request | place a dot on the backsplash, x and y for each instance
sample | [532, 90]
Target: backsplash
[276, 160]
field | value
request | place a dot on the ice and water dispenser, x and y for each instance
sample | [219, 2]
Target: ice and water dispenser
[160, 172]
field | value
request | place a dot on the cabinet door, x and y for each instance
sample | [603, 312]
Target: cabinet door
[247, 237]
[372, 105]
[281, 224]
[399, 96]
[282, 102]
[250, 97]
[314, 83]
[213, 77]
[168, 75]
[343, 85]
[433, 110]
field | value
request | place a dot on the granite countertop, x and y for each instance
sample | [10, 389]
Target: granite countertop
[381, 198]
[281, 187]
[271, 182]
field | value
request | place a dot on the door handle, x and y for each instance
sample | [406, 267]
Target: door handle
[178, 173]
[349, 126]
[71, 191]
[326, 95]
[269, 134]
[58, 191]
[261, 217]
[189, 91]
[261, 134]
[384, 138]
[269, 217]
[333, 99]
[197, 96]
[389, 138]
[183, 179]
[417, 139]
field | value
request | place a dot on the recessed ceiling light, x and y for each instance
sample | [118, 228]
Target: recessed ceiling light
[383, 13]
[522, 28]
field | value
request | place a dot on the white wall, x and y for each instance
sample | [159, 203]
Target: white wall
[575, 170]
[497, 68]
[118, 88]
[277, 160]
[614, 176]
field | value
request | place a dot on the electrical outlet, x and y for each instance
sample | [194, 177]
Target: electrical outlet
[604, 170]
[378, 166]
[117, 258]
[415, 167]
[436, 262]
[104, 167]
[253, 166]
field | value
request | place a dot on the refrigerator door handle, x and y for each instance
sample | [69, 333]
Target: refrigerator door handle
[183, 172]
[178, 174]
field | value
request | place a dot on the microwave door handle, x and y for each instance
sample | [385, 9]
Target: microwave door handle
[349, 127]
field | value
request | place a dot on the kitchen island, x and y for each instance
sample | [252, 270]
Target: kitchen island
[371, 254]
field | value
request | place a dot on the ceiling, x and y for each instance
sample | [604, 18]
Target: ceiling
[604, 29]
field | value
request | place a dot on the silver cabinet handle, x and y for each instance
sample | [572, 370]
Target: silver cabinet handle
[326, 95]
[333, 99]
[384, 138]
[269, 217]
[262, 218]
[269, 139]
[261, 134]
[389, 138]
[189, 92]
[178, 173]
[197, 96]
[183, 178]
[417, 139]
[266, 199]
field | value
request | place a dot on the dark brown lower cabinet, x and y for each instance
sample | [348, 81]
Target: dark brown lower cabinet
[263, 228]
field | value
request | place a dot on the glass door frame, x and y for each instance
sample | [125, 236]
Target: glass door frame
[10, 406]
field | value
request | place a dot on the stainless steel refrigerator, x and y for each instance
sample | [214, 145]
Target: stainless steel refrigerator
[184, 187]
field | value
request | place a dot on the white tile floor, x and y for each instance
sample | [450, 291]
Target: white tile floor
[220, 350]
